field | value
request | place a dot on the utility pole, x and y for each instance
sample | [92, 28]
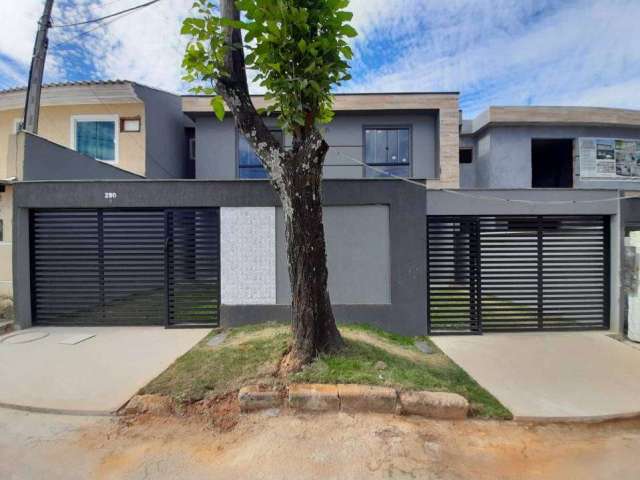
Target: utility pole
[36, 72]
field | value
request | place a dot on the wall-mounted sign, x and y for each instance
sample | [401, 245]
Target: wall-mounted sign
[609, 158]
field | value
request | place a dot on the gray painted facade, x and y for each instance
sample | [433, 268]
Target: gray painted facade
[217, 143]
[45, 160]
[502, 155]
[165, 142]
[395, 301]
[358, 255]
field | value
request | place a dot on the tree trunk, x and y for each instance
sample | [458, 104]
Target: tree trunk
[296, 175]
[313, 324]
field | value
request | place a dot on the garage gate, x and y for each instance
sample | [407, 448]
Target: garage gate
[126, 267]
[517, 273]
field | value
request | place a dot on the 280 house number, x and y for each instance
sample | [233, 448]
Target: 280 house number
[110, 195]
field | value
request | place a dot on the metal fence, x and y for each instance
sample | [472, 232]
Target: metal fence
[125, 266]
[517, 273]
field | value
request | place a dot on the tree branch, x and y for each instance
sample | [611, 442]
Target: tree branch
[234, 90]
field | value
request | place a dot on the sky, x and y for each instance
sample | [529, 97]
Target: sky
[494, 52]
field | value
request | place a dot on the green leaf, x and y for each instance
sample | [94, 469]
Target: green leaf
[218, 107]
[302, 45]
[349, 31]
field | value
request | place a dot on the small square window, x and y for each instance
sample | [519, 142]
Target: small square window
[466, 155]
[96, 137]
[388, 149]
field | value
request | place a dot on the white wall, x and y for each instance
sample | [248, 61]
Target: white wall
[248, 255]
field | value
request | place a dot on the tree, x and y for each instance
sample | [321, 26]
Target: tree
[299, 50]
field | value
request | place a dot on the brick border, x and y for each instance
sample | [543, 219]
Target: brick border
[355, 398]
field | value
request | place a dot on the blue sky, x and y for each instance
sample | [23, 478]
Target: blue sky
[495, 52]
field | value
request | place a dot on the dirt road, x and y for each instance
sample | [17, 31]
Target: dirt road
[332, 446]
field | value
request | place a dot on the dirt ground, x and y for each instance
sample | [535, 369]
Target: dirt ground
[329, 446]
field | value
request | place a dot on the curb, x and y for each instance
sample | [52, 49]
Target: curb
[351, 398]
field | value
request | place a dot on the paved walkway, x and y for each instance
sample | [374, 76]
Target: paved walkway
[96, 376]
[555, 375]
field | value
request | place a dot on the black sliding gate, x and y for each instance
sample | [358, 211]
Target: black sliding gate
[126, 267]
[517, 273]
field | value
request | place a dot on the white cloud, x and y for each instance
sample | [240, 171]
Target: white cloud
[503, 52]
[579, 52]
[18, 24]
[144, 46]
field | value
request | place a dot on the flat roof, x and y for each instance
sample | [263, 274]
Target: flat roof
[549, 115]
[352, 101]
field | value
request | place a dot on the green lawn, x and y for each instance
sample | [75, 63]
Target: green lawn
[251, 355]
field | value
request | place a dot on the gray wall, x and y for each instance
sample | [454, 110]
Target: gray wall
[358, 255]
[45, 160]
[405, 313]
[216, 143]
[502, 155]
[166, 153]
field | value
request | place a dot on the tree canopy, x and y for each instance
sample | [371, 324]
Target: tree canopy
[298, 49]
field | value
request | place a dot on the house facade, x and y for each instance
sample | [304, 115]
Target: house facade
[87, 131]
[495, 239]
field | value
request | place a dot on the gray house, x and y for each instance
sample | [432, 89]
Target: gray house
[472, 250]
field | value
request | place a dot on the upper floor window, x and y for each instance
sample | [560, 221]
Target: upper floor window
[389, 150]
[249, 165]
[96, 136]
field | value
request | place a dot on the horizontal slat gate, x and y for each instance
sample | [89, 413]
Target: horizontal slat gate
[517, 273]
[109, 267]
[193, 267]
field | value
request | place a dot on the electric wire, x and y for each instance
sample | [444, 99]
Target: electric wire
[100, 19]
[486, 197]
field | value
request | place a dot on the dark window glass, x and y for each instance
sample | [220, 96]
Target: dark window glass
[466, 155]
[96, 139]
[1, 230]
[388, 150]
[249, 165]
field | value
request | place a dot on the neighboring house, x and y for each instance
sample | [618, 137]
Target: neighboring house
[551, 147]
[87, 131]
[478, 250]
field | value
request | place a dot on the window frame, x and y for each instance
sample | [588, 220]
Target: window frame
[16, 122]
[98, 118]
[239, 167]
[386, 126]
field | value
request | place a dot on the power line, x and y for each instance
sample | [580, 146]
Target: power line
[99, 19]
[485, 197]
[87, 32]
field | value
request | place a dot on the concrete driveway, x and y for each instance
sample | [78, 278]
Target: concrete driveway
[553, 376]
[44, 369]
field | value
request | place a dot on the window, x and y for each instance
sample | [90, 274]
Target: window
[466, 155]
[389, 150]
[249, 165]
[1, 230]
[96, 136]
[18, 125]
